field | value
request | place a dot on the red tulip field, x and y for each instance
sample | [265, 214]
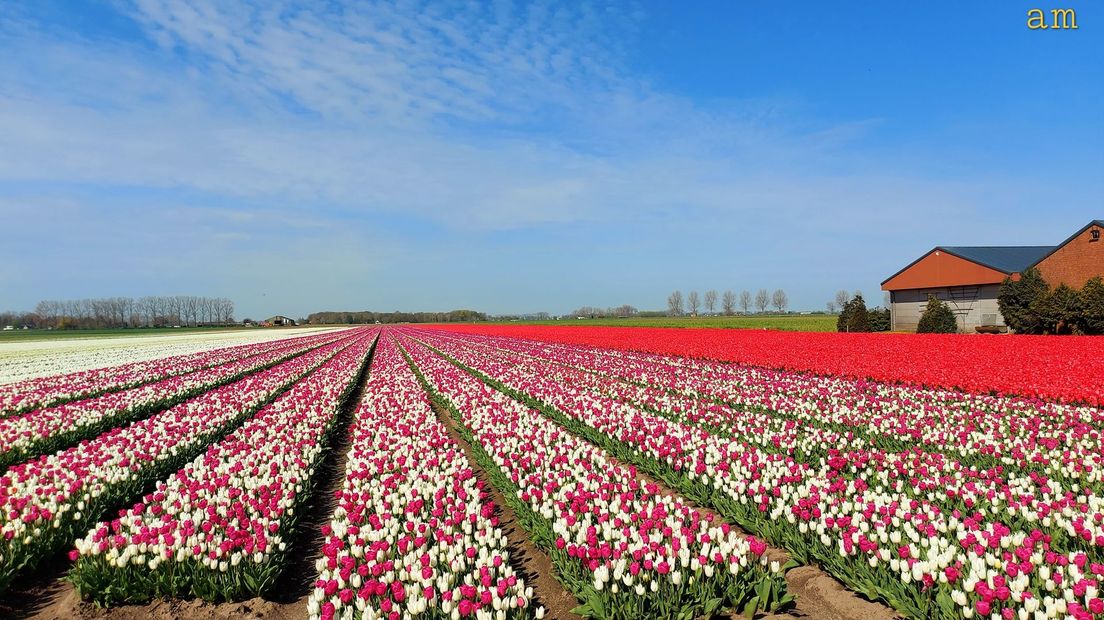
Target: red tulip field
[489, 471]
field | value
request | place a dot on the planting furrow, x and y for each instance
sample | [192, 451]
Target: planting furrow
[47, 430]
[622, 549]
[413, 532]
[46, 502]
[54, 390]
[922, 559]
[217, 528]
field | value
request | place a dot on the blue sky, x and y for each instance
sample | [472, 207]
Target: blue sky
[523, 157]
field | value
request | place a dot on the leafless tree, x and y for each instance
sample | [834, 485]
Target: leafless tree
[728, 303]
[226, 310]
[831, 307]
[624, 311]
[710, 301]
[842, 298]
[762, 300]
[780, 300]
[745, 300]
[674, 303]
[129, 312]
[694, 302]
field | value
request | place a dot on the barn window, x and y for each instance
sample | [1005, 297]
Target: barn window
[1094, 235]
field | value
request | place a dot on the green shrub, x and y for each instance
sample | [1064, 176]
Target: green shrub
[937, 319]
[1019, 302]
[1059, 312]
[854, 317]
[879, 319]
[1092, 307]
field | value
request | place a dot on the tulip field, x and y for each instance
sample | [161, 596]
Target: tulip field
[521, 472]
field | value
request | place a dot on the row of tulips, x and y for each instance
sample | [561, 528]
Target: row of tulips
[54, 389]
[31, 359]
[624, 549]
[413, 533]
[1026, 501]
[43, 431]
[1066, 369]
[924, 559]
[1064, 441]
[48, 501]
[218, 528]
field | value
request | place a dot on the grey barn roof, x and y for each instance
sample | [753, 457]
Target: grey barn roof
[1007, 258]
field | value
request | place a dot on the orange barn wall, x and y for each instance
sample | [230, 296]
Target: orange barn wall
[1075, 262]
[939, 269]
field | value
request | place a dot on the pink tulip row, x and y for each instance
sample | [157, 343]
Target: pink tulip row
[1065, 441]
[850, 506]
[47, 501]
[55, 389]
[1074, 517]
[218, 528]
[642, 553]
[413, 531]
[46, 430]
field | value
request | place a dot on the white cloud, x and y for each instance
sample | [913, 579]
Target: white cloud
[273, 140]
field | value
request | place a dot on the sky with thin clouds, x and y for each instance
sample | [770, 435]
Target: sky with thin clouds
[529, 156]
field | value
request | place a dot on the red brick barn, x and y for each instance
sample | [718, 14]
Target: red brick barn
[968, 277]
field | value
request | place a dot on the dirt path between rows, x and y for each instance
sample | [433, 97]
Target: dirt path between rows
[529, 561]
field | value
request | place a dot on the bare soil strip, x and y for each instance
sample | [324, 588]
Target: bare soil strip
[528, 560]
[296, 581]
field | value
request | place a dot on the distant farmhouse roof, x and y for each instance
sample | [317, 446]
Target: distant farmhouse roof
[280, 319]
[1006, 258]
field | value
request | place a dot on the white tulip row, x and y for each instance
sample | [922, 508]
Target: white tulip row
[218, 528]
[30, 360]
[47, 501]
[58, 388]
[47, 430]
[413, 532]
[652, 554]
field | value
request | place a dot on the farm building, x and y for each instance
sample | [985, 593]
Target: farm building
[280, 320]
[968, 278]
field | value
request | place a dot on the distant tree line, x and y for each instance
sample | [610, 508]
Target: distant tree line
[531, 316]
[1030, 306]
[693, 303]
[591, 312]
[115, 312]
[367, 316]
